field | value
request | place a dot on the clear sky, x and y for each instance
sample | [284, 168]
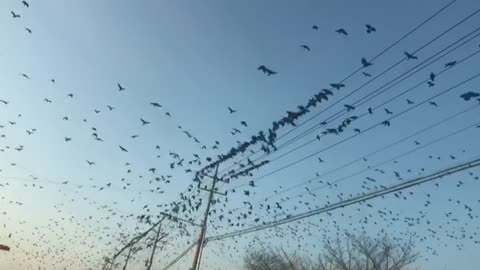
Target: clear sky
[196, 58]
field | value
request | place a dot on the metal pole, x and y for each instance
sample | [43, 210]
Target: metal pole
[203, 230]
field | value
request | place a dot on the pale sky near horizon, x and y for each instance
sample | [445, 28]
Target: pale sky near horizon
[196, 58]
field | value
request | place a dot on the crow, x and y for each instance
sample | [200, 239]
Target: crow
[123, 148]
[450, 64]
[144, 122]
[370, 28]
[365, 63]
[432, 76]
[315, 27]
[410, 56]
[337, 85]
[15, 15]
[341, 31]
[120, 87]
[266, 70]
[305, 47]
[155, 104]
[231, 110]
[26, 4]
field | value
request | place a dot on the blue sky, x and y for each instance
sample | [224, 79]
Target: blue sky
[196, 59]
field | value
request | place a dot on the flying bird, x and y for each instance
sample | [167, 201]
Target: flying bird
[337, 85]
[450, 64]
[155, 104]
[3, 101]
[341, 31]
[123, 148]
[469, 95]
[366, 74]
[370, 28]
[144, 122]
[15, 15]
[305, 47]
[28, 30]
[349, 107]
[388, 111]
[243, 123]
[365, 63]
[430, 84]
[24, 76]
[315, 27]
[410, 56]
[409, 102]
[231, 110]
[432, 76]
[433, 103]
[26, 4]
[266, 70]
[120, 87]
[90, 163]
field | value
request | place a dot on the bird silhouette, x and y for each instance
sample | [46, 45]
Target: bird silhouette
[28, 30]
[305, 47]
[450, 64]
[349, 107]
[430, 84]
[90, 163]
[144, 122]
[3, 101]
[70, 95]
[47, 100]
[25, 76]
[26, 4]
[410, 56]
[67, 139]
[120, 87]
[386, 123]
[266, 70]
[155, 104]
[433, 103]
[370, 110]
[388, 111]
[15, 15]
[366, 74]
[243, 123]
[370, 29]
[409, 101]
[110, 108]
[341, 31]
[337, 85]
[432, 76]
[365, 63]
[123, 148]
[314, 27]
[231, 110]
[469, 95]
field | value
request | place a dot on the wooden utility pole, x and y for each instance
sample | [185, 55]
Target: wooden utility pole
[203, 229]
[157, 239]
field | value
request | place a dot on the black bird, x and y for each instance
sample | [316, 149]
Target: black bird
[155, 104]
[28, 30]
[243, 123]
[388, 111]
[305, 47]
[370, 28]
[123, 148]
[315, 27]
[469, 95]
[144, 122]
[432, 76]
[409, 101]
[450, 64]
[231, 110]
[349, 107]
[67, 139]
[266, 70]
[70, 95]
[3, 101]
[386, 123]
[120, 87]
[337, 85]
[90, 163]
[25, 3]
[47, 100]
[366, 74]
[370, 110]
[15, 15]
[365, 63]
[430, 84]
[110, 107]
[341, 31]
[410, 56]
[25, 76]
[433, 103]
[97, 111]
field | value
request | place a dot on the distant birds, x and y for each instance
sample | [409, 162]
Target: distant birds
[67, 139]
[3, 101]
[410, 56]
[387, 111]
[123, 149]
[47, 100]
[349, 107]
[409, 102]
[90, 163]
[26, 4]
[366, 74]
[365, 63]
[433, 103]
[370, 29]
[315, 27]
[432, 76]
[24, 76]
[70, 95]
[144, 122]
[155, 104]
[28, 30]
[243, 123]
[370, 110]
[305, 47]
[120, 87]
[266, 70]
[110, 108]
[231, 110]
[14, 15]
[341, 31]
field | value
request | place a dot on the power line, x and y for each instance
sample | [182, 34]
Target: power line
[355, 200]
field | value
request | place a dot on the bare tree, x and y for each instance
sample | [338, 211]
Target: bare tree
[353, 253]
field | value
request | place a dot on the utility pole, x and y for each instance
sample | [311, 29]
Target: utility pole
[157, 239]
[128, 257]
[203, 229]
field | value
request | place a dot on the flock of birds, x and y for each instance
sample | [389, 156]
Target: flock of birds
[105, 227]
